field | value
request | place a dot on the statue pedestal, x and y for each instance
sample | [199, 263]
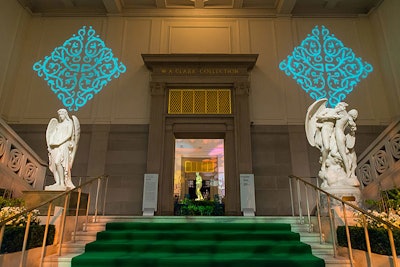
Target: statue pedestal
[348, 193]
[55, 187]
[34, 198]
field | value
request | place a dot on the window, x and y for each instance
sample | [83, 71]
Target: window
[199, 101]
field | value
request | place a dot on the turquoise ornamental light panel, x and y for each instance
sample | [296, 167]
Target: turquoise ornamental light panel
[324, 67]
[79, 69]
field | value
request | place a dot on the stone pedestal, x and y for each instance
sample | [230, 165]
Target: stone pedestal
[55, 187]
[351, 194]
[34, 198]
[348, 193]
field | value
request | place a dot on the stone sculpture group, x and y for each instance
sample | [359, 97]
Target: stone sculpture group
[332, 131]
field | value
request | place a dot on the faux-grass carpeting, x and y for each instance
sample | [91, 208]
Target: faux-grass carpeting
[144, 244]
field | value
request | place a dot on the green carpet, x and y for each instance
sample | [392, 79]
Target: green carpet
[196, 244]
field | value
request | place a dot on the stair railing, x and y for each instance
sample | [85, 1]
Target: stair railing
[66, 195]
[344, 204]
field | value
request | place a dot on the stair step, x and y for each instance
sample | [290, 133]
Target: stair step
[59, 261]
[280, 219]
[95, 227]
[73, 247]
[199, 260]
[330, 261]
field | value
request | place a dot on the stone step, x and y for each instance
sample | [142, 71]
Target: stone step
[59, 261]
[101, 226]
[307, 237]
[73, 247]
[280, 219]
[88, 236]
[322, 250]
[330, 261]
[95, 227]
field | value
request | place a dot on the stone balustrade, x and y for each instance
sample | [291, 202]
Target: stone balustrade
[379, 163]
[20, 167]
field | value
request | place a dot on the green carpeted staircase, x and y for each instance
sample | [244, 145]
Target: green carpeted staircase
[197, 244]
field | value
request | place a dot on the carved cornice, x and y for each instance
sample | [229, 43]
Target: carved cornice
[155, 62]
[199, 68]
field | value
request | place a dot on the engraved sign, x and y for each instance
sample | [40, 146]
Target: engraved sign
[200, 71]
[247, 195]
[150, 192]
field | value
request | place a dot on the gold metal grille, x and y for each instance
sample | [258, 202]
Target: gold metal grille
[197, 101]
[199, 166]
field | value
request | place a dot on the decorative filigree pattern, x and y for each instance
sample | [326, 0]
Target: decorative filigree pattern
[381, 161]
[394, 144]
[79, 69]
[365, 174]
[324, 67]
[16, 163]
[3, 142]
[29, 173]
[15, 160]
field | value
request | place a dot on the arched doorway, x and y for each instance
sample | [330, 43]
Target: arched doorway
[197, 79]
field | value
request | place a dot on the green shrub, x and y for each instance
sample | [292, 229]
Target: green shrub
[14, 237]
[389, 199]
[15, 229]
[190, 207]
[378, 237]
[11, 202]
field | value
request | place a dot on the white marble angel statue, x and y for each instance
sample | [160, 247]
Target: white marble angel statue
[62, 136]
[332, 131]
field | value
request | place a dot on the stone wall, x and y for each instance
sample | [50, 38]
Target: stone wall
[120, 151]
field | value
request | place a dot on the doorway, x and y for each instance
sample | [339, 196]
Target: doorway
[186, 93]
[204, 158]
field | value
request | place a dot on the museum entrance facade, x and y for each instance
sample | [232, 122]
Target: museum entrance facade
[199, 101]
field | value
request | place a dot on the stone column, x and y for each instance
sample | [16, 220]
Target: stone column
[155, 150]
[242, 123]
[166, 178]
[232, 194]
[156, 128]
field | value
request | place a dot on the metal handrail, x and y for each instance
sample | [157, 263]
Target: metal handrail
[50, 202]
[344, 203]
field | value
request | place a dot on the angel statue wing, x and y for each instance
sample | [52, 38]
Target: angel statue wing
[75, 137]
[311, 120]
[51, 127]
